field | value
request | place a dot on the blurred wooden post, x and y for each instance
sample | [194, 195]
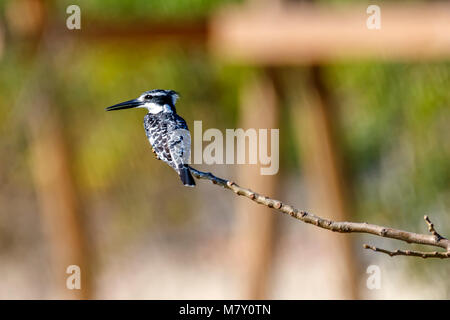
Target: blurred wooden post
[255, 225]
[326, 184]
[49, 158]
[57, 197]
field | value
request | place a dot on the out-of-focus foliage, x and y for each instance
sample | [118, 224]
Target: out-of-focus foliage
[395, 124]
[395, 128]
[394, 121]
[145, 9]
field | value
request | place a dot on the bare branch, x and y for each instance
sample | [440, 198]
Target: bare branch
[434, 239]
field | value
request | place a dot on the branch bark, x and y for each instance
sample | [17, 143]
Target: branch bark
[434, 239]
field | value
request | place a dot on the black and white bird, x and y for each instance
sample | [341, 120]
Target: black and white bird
[167, 132]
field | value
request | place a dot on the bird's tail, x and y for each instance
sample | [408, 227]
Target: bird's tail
[186, 176]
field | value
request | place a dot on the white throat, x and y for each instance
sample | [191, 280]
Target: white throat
[155, 108]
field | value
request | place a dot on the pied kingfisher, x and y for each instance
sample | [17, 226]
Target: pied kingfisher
[167, 132]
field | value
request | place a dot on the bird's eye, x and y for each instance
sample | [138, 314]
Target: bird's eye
[148, 97]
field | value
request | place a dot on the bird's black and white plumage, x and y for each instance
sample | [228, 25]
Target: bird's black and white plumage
[166, 131]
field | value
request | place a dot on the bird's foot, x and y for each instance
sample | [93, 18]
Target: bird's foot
[156, 156]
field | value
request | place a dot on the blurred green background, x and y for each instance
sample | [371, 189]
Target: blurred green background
[145, 236]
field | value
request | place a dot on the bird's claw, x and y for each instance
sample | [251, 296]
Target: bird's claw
[156, 156]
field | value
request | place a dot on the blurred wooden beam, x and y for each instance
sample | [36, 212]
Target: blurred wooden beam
[306, 34]
[145, 33]
[294, 34]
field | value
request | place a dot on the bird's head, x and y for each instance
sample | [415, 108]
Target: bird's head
[155, 101]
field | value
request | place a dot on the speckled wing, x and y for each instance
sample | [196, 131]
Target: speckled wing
[180, 146]
[169, 137]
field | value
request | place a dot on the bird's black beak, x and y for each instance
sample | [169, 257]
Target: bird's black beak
[125, 105]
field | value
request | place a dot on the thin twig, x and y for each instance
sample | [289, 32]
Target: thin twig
[422, 254]
[434, 239]
[431, 229]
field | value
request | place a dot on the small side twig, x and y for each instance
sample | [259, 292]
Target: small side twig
[422, 254]
[398, 252]
[431, 229]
